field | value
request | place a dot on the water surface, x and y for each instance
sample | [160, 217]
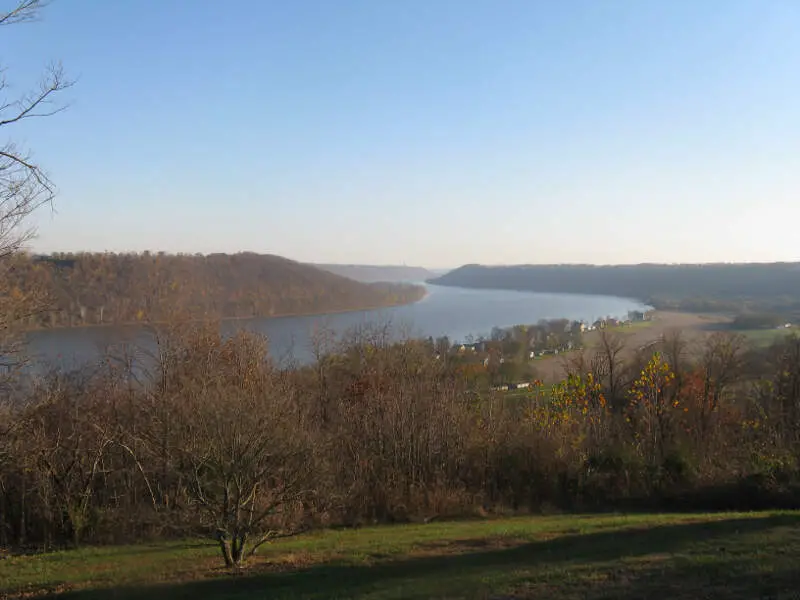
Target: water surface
[454, 312]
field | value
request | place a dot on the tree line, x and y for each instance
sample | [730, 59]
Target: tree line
[217, 440]
[98, 288]
[771, 287]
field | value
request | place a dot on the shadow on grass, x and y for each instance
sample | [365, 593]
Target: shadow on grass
[418, 575]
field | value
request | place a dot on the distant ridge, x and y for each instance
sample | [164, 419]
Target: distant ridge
[375, 273]
[103, 288]
[700, 287]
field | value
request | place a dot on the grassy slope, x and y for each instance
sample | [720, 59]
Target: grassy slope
[764, 337]
[726, 555]
[549, 367]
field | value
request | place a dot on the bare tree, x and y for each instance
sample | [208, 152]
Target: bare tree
[722, 366]
[244, 448]
[785, 390]
[24, 186]
[607, 363]
[674, 349]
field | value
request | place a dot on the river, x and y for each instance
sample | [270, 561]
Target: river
[454, 312]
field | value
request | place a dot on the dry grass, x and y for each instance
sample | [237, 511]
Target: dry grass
[694, 328]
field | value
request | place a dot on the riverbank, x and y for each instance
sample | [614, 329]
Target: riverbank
[285, 315]
[451, 312]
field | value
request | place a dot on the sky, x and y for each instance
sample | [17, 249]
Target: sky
[420, 132]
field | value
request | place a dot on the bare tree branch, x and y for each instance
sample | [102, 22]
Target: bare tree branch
[24, 188]
[25, 12]
[26, 107]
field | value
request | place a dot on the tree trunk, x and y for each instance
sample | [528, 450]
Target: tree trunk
[21, 535]
[227, 555]
[233, 550]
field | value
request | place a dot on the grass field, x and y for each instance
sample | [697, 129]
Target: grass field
[726, 555]
[763, 337]
[694, 327]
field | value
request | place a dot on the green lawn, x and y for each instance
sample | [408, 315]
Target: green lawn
[726, 555]
[634, 326]
[764, 337]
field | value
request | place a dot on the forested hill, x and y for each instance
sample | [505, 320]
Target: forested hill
[774, 286]
[373, 273]
[97, 288]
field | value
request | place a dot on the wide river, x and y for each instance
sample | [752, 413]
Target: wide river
[454, 312]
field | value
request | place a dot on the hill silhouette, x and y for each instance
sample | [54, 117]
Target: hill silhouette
[94, 288]
[713, 286]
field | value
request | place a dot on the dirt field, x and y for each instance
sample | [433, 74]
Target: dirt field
[695, 327]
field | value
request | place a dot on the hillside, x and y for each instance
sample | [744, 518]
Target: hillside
[95, 288]
[762, 286]
[373, 273]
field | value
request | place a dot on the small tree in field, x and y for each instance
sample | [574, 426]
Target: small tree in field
[244, 447]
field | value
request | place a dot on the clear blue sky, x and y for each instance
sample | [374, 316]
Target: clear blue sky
[430, 132]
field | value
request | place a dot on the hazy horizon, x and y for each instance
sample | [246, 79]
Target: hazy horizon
[422, 133]
[440, 269]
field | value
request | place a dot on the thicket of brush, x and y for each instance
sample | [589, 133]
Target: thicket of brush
[219, 441]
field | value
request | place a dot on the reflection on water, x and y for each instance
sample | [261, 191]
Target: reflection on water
[454, 312]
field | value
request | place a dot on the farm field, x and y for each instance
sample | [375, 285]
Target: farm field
[694, 328]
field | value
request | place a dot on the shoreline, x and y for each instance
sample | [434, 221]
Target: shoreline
[641, 301]
[145, 323]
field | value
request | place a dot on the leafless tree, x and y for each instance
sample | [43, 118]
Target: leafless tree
[674, 349]
[607, 363]
[575, 363]
[244, 448]
[785, 391]
[24, 185]
[722, 363]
